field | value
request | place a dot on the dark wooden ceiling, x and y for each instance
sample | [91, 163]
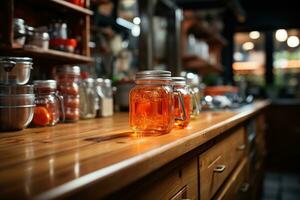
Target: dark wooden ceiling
[260, 14]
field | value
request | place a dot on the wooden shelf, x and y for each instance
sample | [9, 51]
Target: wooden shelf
[49, 55]
[289, 64]
[195, 63]
[72, 6]
[208, 34]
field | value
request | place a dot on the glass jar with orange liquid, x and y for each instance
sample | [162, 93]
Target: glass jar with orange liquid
[151, 103]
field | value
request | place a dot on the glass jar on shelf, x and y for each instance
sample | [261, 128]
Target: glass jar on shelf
[19, 32]
[68, 79]
[49, 105]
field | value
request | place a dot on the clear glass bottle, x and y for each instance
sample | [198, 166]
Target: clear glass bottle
[151, 103]
[49, 105]
[68, 80]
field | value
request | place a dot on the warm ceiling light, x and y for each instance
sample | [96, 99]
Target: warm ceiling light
[248, 46]
[254, 35]
[281, 35]
[293, 41]
[136, 20]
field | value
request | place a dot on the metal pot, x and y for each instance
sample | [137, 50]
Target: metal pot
[17, 100]
[15, 70]
[14, 118]
[16, 89]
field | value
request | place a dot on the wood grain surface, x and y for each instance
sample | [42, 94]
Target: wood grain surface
[98, 156]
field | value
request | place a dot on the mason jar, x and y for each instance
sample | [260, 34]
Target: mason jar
[49, 105]
[151, 103]
[182, 102]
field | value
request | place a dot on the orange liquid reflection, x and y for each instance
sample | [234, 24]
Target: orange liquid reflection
[151, 110]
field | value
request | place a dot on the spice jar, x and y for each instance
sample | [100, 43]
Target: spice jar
[182, 102]
[68, 79]
[19, 32]
[48, 103]
[151, 103]
[38, 39]
[105, 94]
[88, 99]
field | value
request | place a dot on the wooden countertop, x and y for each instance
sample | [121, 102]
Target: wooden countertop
[98, 156]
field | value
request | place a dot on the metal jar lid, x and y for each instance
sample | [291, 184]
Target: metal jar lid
[75, 70]
[153, 75]
[18, 21]
[178, 80]
[26, 60]
[89, 81]
[45, 84]
[103, 82]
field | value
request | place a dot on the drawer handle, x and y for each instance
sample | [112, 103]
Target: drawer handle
[245, 187]
[241, 147]
[219, 168]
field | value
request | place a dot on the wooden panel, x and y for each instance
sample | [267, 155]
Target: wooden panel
[73, 6]
[237, 186]
[178, 184]
[6, 21]
[76, 159]
[218, 162]
[49, 55]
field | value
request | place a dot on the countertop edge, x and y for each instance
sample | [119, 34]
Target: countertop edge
[108, 177]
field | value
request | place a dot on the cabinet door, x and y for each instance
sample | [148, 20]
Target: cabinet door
[237, 187]
[218, 162]
[178, 184]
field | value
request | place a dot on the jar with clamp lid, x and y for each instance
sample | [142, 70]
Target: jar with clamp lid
[49, 105]
[152, 103]
[68, 80]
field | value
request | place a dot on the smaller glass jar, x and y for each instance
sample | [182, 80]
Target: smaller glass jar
[182, 102]
[49, 104]
[68, 80]
[19, 32]
[105, 94]
[196, 91]
[88, 96]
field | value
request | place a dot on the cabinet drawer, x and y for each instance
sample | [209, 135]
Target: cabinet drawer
[237, 186]
[180, 183]
[219, 161]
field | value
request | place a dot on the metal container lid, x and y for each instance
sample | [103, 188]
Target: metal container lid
[104, 82]
[69, 70]
[179, 80]
[18, 21]
[89, 81]
[153, 75]
[107, 82]
[45, 84]
[17, 59]
[16, 89]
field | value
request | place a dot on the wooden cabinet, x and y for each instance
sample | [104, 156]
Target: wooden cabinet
[180, 183]
[218, 162]
[237, 187]
[224, 171]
